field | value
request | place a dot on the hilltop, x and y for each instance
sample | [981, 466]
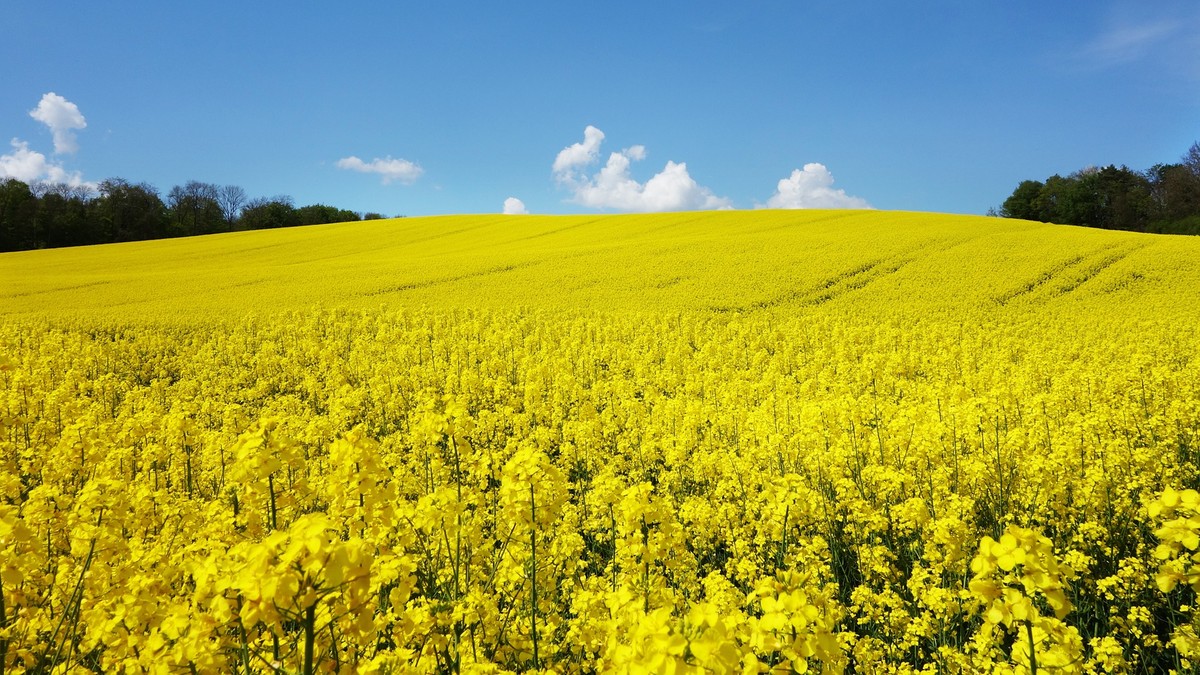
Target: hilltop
[722, 261]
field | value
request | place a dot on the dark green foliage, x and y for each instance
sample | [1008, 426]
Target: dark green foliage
[1164, 199]
[122, 212]
[1176, 187]
[52, 215]
[18, 216]
[1023, 202]
[195, 210]
[262, 214]
[61, 220]
[319, 214]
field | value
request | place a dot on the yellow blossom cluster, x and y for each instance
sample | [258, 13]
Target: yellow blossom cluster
[867, 470]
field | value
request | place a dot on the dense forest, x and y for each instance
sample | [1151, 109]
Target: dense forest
[1165, 198]
[46, 215]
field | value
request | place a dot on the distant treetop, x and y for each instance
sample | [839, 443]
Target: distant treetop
[1165, 198]
[48, 215]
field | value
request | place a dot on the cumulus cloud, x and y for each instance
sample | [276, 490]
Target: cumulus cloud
[514, 207]
[579, 155]
[389, 169]
[22, 163]
[812, 188]
[62, 118]
[613, 187]
[30, 166]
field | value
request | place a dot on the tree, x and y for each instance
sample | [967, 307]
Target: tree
[1080, 202]
[59, 214]
[231, 199]
[64, 220]
[18, 213]
[194, 208]
[83, 192]
[275, 212]
[319, 214]
[1191, 159]
[127, 212]
[1165, 198]
[1023, 201]
[1052, 199]
[1175, 191]
[1123, 199]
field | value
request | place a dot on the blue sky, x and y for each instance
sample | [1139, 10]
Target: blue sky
[454, 107]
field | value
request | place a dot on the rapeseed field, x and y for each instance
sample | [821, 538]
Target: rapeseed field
[728, 442]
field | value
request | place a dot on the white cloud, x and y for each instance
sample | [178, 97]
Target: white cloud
[812, 188]
[390, 169]
[672, 189]
[579, 154]
[22, 163]
[636, 153]
[31, 166]
[514, 207]
[63, 118]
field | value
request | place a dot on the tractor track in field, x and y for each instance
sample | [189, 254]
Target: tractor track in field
[74, 287]
[1091, 271]
[856, 282]
[1045, 277]
[667, 283]
[831, 287]
[550, 233]
[502, 269]
[1058, 278]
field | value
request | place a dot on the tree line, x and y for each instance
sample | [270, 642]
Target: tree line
[47, 215]
[1165, 198]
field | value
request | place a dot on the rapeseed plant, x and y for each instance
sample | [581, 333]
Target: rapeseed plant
[895, 443]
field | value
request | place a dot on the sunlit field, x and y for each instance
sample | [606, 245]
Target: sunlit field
[724, 442]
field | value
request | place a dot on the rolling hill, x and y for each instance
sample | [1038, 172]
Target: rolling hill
[725, 261]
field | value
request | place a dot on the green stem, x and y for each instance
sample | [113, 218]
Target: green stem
[612, 522]
[272, 513]
[645, 567]
[533, 573]
[333, 647]
[3, 626]
[310, 623]
[458, 522]
[71, 611]
[1033, 668]
[187, 472]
